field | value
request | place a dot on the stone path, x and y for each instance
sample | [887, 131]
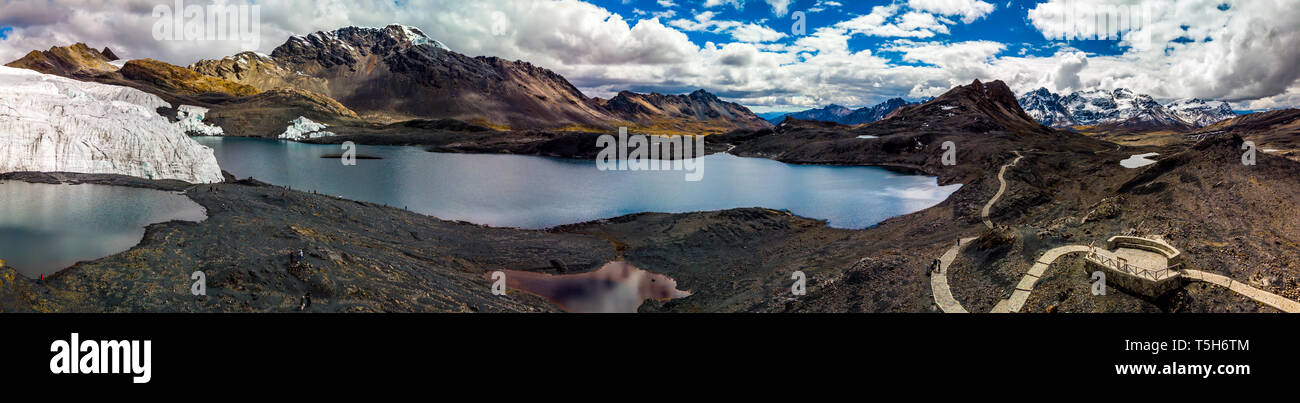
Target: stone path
[948, 304]
[939, 281]
[1002, 187]
[1261, 296]
[1026, 285]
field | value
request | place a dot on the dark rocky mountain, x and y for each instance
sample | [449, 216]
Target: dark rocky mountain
[108, 54]
[398, 73]
[976, 107]
[984, 121]
[846, 116]
[1273, 132]
[697, 112]
[829, 113]
[877, 112]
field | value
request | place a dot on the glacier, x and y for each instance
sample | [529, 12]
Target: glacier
[190, 120]
[54, 124]
[303, 128]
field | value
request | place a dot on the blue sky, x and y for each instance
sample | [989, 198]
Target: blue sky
[1007, 24]
[853, 53]
[4, 32]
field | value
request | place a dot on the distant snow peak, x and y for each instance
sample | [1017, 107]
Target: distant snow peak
[302, 129]
[341, 37]
[1091, 107]
[56, 124]
[190, 120]
[417, 37]
[1200, 112]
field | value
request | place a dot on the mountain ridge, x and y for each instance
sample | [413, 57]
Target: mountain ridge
[1120, 108]
[845, 116]
[397, 73]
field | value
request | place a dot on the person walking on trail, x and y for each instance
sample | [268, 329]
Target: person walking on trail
[300, 257]
[937, 265]
[306, 302]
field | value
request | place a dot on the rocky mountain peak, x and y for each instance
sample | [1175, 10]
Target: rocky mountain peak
[109, 55]
[348, 44]
[77, 60]
[1120, 106]
[701, 94]
[995, 92]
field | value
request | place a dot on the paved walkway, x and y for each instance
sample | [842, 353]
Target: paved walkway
[939, 281]
[1261, 296]
[1026, 285]
[1002, 187]
[948, 304]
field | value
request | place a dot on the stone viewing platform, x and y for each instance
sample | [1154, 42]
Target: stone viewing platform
[1144, 266]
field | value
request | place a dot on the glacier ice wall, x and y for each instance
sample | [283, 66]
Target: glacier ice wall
[54, 124]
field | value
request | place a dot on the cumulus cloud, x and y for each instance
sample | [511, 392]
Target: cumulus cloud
[1232, 50]
[968, 10]
[1250, 56]
[883, 21]
[780, 7]
[1067, 74]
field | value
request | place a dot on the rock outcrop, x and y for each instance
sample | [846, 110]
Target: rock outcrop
[76, 60]
[179, 80]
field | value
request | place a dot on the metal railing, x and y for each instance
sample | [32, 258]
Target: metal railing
[1125, 267]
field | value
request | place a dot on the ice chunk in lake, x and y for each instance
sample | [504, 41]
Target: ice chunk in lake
[190, 120]
[303, 129]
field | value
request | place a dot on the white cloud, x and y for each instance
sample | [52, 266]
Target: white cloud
[756, 33]
[1067, 74]
[714, 3]
[823, 5]
[1245, 52]
[882, 21]
[1251, 57]
[969, 10]
[780, 7]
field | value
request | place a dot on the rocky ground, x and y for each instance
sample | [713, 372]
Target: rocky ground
[368, 258]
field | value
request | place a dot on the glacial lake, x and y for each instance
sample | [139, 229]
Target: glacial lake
[541, 192]
[45, 228]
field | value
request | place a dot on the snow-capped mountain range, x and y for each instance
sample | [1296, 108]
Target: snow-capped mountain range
[1093, 107]
[846, 116]
[55, 124]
